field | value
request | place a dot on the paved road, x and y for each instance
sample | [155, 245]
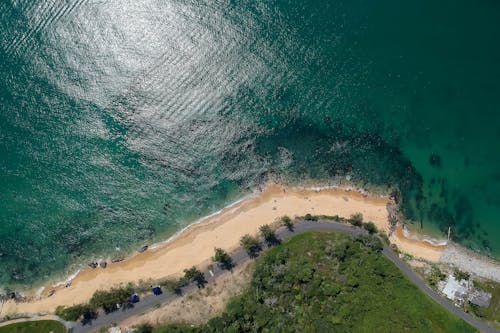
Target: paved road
[239, 256]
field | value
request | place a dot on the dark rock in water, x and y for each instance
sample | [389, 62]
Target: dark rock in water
[435, 160]
[93, 264]
[166, 208]
[115, 260]
[103, 264]
[142, 249]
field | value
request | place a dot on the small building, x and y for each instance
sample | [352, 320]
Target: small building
[480, 298]
[455, 290]
[114, 329]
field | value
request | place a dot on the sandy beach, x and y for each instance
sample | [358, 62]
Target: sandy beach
[195, 245]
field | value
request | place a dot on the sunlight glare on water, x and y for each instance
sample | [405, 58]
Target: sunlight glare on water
[126, 120]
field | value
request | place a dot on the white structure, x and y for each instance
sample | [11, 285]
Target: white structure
[455, 290]
[114, 329]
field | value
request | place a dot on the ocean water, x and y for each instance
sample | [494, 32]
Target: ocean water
[125, 120]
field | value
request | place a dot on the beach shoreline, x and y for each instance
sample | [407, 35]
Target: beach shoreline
[194, 244]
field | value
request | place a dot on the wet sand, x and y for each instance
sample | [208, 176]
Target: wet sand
[418, 248]
[195, 245]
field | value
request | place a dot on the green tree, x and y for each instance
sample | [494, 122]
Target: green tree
[72, 313]
[370, 227]
[223, 259]
[356, 219]
[286, 221]
[108, 300]
[251, 245]
[269, 235]
[194, 274]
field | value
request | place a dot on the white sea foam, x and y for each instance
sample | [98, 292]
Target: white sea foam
[231, 205]
[68, 279]
[159, 244]
[424, 238]
[39, 291]
[201, 220]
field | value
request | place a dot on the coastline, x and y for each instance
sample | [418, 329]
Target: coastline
[194, 244]
[470, 261]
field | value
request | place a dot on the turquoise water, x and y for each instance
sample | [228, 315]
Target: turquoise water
[125, 120]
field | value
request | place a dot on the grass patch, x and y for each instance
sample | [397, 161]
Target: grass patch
[329, 282]
[39, 326]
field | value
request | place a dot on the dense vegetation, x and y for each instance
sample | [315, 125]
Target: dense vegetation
[328, 282]
[73, 313]
[490, 314]
[39, 326]
[107, 300]
[119, 296]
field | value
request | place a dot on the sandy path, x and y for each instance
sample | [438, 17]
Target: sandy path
[195, 245]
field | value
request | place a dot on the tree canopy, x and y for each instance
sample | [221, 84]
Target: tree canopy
[356, 219]
[251, 245]
[223, 259]
[269, 235]
[194, 274]
[286, 221]
[370, 227]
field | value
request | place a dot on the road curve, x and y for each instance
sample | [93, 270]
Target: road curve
[240, 255]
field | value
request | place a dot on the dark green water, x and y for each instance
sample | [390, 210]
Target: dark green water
[124, 120]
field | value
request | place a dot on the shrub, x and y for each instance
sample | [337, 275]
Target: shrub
[370, 227]
[477, 310]
[356, 219]
[144, 328]
[371, 242]
[336, 218]
[407, 257]
[341, 250]
[435, 276]
[193, 274]
[72, 313]
[173, 285]
[384, 238]
[460, 275]
[310, 217]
